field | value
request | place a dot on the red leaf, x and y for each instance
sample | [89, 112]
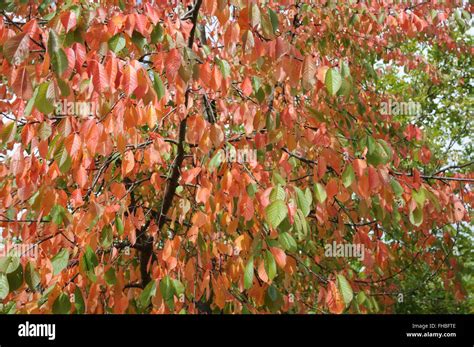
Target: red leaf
[172, 64]
[98, 76]
[73, 144]
[128, 163]
[334, 299]
[374, 181]
[71, 59]
[359, 166]
[129, 80]
[246, 86]
[80, 53]
[21, 83]
[202, 195]
[279, 255]
[459, 211]
[68, 19]
[80, 176]
[189, 175]
[17, 48]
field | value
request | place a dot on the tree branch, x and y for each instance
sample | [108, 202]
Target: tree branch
[170, 190]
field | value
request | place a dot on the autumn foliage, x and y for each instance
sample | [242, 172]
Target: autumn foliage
[179, 156]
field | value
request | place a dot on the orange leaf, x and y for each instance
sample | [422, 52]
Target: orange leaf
[21, 83]
[129, 79]
[246, 86]
[279, 255]
[334, 299]
[189, 175]
[68, 19]
[128, 163]
[359, 166]
[459, 211]
[172, 64]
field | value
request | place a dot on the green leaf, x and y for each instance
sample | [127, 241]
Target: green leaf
[345, 289]
[320, 192]
[333, 81]
[287, 242]
[215, 161]
[59, 62]
[8, 132]
[53, 42]
[79, 301]
[178, 287]
[378, 152]
[62, 305]
[419, 196]
[158, 86]
[416, 216]
[273, 299]
[32, 277]
[44, 98]
[31, 103]
[348, 176]
[303, 202]
[60, 261]
[267, 27]
[91, 257]
[375, 304]
[166, 288]
[276, 177]
[4, 287]
[117, 43]
[371, 145]
[254, 15]
[387, 152]
[148, 293]
[361, 298]
[224, 67]
[157, 34]
[276, 212]
[346, 88]
[62, 159]
[345, 71]
[273, 19]
[106, 236]
[119, 225]
[248, 274]
[15, 279]
[57, 214]
[63, 88]
[138, 40]
[252, 189]
[44, 131]
[396, 187]
[45, 295]
[88, 263]
[270, 265]
[277, 193]
[9, 264]
[110, 277]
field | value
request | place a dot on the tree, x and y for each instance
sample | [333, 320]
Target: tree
[201, 156]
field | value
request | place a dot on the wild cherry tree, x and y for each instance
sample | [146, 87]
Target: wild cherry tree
[178, 156]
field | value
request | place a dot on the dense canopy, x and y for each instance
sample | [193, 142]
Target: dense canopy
[180, 156]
